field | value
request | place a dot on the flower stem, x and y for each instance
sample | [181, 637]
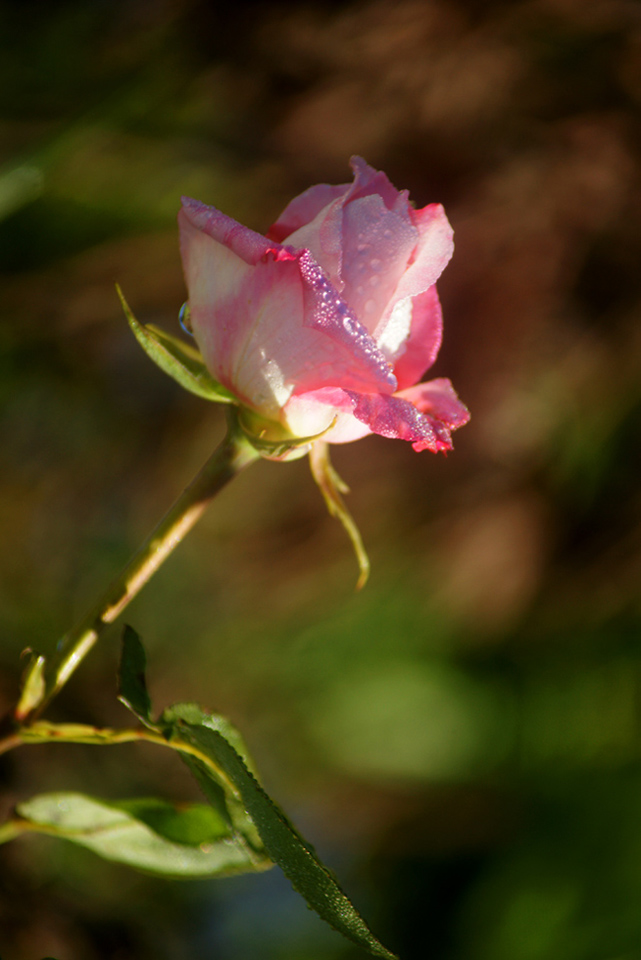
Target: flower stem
[232, 456]
[41, 731]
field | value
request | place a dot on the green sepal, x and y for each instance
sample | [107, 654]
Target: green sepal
[331, 486]
[173, 840]
[178, 359]
[32, 687]
[272, 440]
[132, 685]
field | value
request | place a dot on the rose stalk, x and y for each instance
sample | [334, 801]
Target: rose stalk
[228, 460]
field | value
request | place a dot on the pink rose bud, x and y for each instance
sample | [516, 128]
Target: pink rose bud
[326, 325]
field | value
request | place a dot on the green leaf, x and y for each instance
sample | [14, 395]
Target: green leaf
[219, 790]
[194, 714]
[132, 686]
[188, 724]
[178, 359]
[133, 693]
[186, 840]
[189, 823]
[331, 486]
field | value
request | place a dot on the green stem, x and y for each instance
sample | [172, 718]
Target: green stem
[41, 731]
[232, 456]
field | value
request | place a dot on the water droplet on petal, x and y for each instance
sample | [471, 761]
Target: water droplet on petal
[370, 306]
[375, 263]
[184, 318]
[374, 281]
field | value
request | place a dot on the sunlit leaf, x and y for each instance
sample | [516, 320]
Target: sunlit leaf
[189, 840]
[283, 843]
[217, 787]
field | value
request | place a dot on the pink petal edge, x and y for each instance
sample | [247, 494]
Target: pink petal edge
[438, 399]
[433, 252]
[397, 418]
[424, 341]
[325, 310]
[245, 243]
[304, 208]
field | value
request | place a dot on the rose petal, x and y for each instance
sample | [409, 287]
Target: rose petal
[245, 243]
[424, 414]
[323, 238]
[377, 244]
[369, 182]
[268, 330]
[397, 418]
[438, 399]
[312, 413]
[325, 310]
[419, 350]
[433, 251]
[305, 208]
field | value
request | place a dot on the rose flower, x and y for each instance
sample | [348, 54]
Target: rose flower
[324, 327]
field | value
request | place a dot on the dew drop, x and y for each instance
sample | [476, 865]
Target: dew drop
[374, 281]
[369, 306]
[375, 263]
[184, 318]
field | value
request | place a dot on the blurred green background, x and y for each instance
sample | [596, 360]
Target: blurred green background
[461, 739]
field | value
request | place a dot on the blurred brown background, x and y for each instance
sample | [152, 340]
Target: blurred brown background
[461, 739]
